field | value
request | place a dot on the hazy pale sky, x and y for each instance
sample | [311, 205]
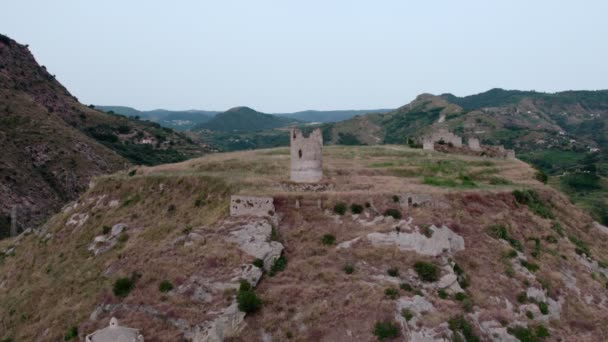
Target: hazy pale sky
[282, 55]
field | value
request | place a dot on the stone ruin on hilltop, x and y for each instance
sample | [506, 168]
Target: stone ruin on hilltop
[306, 156]
[445, 141]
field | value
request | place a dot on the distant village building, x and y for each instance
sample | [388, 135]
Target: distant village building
[115, 333]
[306, 156]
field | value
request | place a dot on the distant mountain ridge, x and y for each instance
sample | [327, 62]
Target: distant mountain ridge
[244, 119]
[183, 120]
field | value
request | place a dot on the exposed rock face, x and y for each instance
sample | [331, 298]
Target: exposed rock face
[115, 333]
[443, 241]
[253, 237]
[306, 156]
[417, 306]
[474, 144]
[103, 243]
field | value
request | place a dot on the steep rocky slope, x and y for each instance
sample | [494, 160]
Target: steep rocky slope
[394, 242]
[52, 145]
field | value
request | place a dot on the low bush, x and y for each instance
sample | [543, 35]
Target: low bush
[247, 300]
[71, 334]
[165, 286]
[531, 199]
[543, 307]
[460, 296]
[258, 263]
[385, 330]
[393, 272]
[278, 265]
[356, 208]
[406, 287]
[532, 267]
[394, 213]
[391, 293]
[328, 239]
[522, 297]
[426, 271]
[349, 269]
[407, 314]
[123, 286]
[529, 334]
[581, 246]
[541, 176]
[105, 229]
[463, 329]
[395, 198]
[442, 294]
[340, 208]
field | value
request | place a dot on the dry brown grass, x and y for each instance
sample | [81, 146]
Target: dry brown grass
[57, 284]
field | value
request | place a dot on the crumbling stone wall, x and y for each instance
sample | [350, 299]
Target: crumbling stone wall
[408, 200]
[251, 206]
[474, 144]
[306, 156]
[442, 134]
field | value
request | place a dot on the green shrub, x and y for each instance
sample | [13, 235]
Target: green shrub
[123, 286]
[551, 239]
[368, 205]
[528, 334]
[462, 328]
[529, 314]
[356, 208]
[72, 333]
[258, 263]
[534, 203]
[460, 296]
[407, 314]
[426, 271]
[510, 272]
[406, 287]
[394, 213]
[541, 331]
[395, 198]
[328, 239]
[165, 286]
[349, 269]
[532, 267]
[340, 208]
[442, 294]
[385, 329]
[132, 173]
[522, 297]
[105, 229]
[581, 246]
[510, 254]
[499, 231]
[393, 272]
[558, 228]
[391, 293]
[278, 265]
[247, 300]
[499, 181]
[543, 307]
[541, 176]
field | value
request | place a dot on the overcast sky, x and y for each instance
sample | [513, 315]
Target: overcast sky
[282, 55]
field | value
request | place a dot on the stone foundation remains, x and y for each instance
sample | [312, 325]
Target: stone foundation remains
[441, 135]
[251, 206]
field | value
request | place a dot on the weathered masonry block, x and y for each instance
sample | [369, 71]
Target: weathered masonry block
[306, 156]
[251, 206]
[474, 144]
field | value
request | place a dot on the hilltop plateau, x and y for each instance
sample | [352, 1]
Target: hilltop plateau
[394, 242]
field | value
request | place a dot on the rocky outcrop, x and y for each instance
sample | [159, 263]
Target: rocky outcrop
[254, 238]
[105, 242]
[442, 241]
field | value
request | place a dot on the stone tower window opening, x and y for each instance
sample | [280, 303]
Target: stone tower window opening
[300, 153]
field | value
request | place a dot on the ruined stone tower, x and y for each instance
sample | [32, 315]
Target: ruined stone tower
[306, 156]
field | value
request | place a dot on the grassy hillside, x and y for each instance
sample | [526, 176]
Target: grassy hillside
[244, 119]
[53, 145]
[532, 264]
